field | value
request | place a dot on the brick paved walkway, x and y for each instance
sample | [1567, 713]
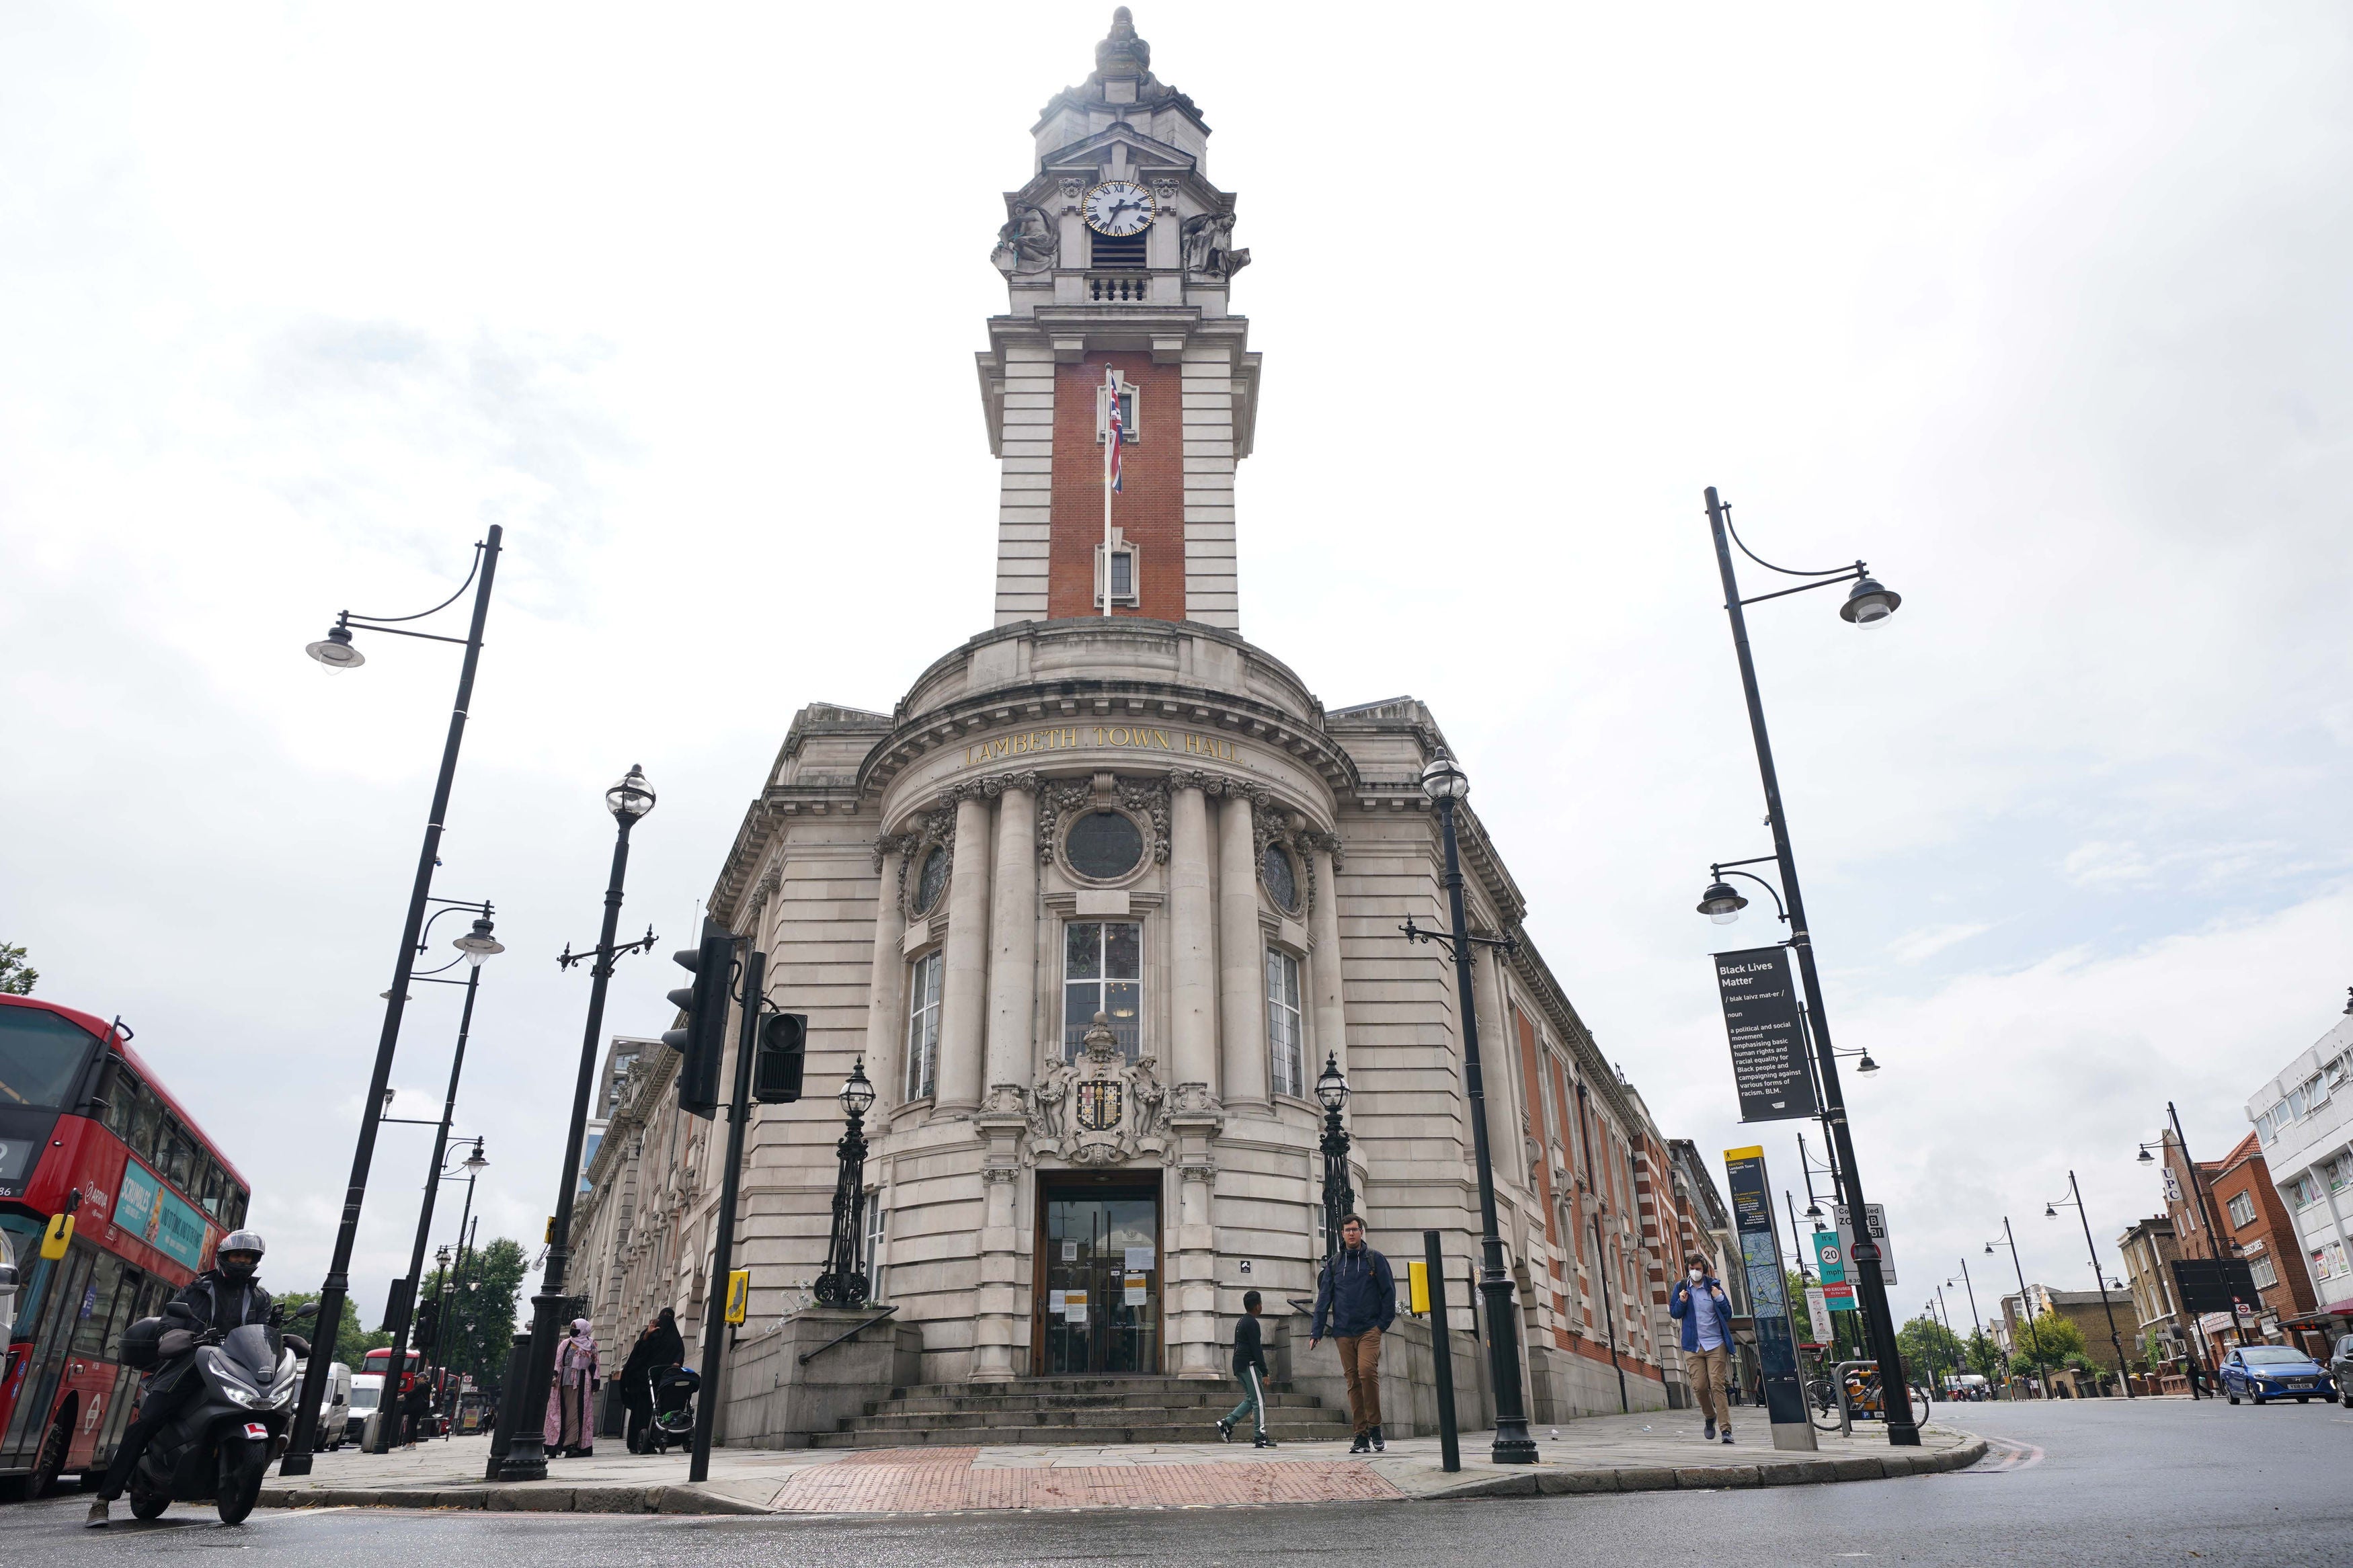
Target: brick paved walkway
[927, 1480]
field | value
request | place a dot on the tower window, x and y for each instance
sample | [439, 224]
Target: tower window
[1286, 1071]
[923, 1025]
[1123, 252]
[1102, 972]
[1125, 570]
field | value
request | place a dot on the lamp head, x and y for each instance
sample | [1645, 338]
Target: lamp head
[2050, 1211]
[1722, 902]
[1869, 604]
[478, 943]
[632, 797]
[857, 1091]
[1331, 1086]
[475, 1162]
[335, 650]
[441, 1256]
[1866, 1066]
[1441, 780]
[1989, 1249]
[2146, 1157]
[1813, 1209]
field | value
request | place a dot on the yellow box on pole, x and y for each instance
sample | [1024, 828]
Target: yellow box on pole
[1417, 1275]
[55, 1240]
[738, 1294]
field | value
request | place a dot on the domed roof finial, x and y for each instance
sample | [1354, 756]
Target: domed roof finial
[1122, 52]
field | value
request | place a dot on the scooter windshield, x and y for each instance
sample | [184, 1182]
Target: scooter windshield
[249, 1353]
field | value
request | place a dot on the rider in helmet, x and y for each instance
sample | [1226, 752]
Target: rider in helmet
[225, 1296]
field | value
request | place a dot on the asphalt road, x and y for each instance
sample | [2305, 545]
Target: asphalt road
[2077, 1483]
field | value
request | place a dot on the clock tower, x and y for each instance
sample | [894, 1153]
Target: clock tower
[1119, 262]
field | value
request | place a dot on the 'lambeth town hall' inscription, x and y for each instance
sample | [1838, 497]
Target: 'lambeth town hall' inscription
[1070, 737]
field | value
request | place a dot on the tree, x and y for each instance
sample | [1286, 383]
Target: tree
[477, 1323]
[17, 978]
[1985, 1356]
[2047, 1342]
[1930, 1350]
[351, 1344]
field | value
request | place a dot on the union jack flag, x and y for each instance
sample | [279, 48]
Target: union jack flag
[1116, 430]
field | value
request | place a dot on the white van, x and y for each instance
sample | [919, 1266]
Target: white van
[335, 1408]
[366, 1388]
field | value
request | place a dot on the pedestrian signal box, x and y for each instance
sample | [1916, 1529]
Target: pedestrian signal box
[1416, 1276]
[738, 1294]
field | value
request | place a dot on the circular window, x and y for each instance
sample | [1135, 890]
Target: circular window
[1104, 845]
[932, 881]
[1282, 878]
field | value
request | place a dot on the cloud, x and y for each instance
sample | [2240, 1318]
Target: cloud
[1929, 941]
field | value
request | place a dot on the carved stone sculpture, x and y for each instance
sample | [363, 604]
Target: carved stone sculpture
[1026, 242]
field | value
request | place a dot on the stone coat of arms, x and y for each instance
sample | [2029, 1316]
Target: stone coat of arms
[1100, 1110]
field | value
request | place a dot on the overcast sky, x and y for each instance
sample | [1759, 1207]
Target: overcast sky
[2043, 311]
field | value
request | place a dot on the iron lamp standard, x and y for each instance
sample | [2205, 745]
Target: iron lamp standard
[336, 651]
[2075, 1201]
[2219, 1243]
[448, 1298]
[526, 1455]
[1339, 1194]
[844, 1282]
[1447, 785]
[476, 948]
[1977, 1324]
[2024, 1306]
[1867, 604]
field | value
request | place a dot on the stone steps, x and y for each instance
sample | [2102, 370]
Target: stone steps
[1219, 1400]
[1089, 1411]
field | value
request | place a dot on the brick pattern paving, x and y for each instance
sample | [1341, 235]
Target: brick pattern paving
[893, 1481]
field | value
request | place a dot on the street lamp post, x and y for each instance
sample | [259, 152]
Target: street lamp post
[1446, 785]
[526, 1456]
[2025, 1308]
[1339, 1193]
[336, 651]
[1867, 604]
[449, 1296]
[2075, 1201]
[844, 1282]
[478, 946]
[1977, 1324]
[2219, 1245]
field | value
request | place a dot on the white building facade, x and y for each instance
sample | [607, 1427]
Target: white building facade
[2304, 1118]
[1141, 818]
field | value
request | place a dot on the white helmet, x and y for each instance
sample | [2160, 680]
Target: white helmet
[238, 1241]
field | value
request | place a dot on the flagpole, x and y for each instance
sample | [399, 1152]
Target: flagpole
[1112, 436]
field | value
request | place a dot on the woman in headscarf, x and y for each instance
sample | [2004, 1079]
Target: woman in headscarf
[658, 1349]
[571, 1407]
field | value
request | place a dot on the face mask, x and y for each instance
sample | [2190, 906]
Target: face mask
[1695, 1275]
[237, 1270]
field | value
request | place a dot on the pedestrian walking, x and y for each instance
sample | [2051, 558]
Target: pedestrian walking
[1250, 1370]
[416, 1410]
[568, 1428]
[1700, 1304]
[1356, 1301]
[658, 1350]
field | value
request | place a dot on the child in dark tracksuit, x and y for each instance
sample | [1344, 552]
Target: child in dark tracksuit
[1250, 1368]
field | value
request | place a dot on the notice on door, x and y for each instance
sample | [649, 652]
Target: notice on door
[1767, 1036]
[1069, 1252]
[1139, 1260]
[1133, 1296]
[1054, 1302]
[1074, 1307]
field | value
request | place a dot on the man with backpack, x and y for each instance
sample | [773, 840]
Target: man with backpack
[1356, 1301]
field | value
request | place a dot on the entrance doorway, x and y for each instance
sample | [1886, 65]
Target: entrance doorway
[1097, 1310]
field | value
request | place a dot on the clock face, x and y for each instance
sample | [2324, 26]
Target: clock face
[1118, 208]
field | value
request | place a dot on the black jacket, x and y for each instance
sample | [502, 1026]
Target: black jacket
[662, 1348]
[1249, 1349]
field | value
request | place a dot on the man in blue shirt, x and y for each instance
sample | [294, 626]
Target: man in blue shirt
[1705, 1312]
[1356, 1301]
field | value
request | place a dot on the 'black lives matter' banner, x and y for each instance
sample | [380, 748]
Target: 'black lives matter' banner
[1768, 1037]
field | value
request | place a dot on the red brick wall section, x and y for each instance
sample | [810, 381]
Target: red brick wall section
[1150, 507]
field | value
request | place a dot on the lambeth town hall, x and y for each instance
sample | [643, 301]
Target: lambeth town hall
[1096, 902]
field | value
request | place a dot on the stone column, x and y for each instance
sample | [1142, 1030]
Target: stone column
[1324, 965]
[1192, 932]
[1013, 934]
[963, 988]
[886, 1018]
[1241, 959]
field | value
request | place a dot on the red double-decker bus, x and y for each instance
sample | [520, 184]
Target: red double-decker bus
[86, 1132]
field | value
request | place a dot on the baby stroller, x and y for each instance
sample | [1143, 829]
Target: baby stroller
[673, 1422]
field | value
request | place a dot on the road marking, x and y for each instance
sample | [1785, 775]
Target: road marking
[2003, 1457]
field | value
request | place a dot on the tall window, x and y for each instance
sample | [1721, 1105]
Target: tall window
[923, 1026]
[2243, 1209]
[1285, 1044]
[1102, 972]
[2264, 1275]
[875, 1221]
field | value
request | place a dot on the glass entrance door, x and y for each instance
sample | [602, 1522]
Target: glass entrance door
[1099, 1281]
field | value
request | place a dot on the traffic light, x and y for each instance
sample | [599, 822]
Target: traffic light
[428, 1325]
[702, 1037]
[776, 1066]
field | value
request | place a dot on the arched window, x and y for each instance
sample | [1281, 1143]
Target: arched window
[1285, 1039]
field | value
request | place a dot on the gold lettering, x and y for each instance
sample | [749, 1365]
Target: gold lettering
[1000, 747]
[1160, 738]
[1100, 733]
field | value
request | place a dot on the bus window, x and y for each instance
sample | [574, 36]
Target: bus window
[41, 1058]
[118, 1094]
[213, 1183]
[96, 1305]
[235, 1216]
[179, 1153]
[131, 1300]
[146, 1122]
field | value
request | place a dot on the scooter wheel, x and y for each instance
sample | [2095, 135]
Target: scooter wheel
[243, 1466]
[149, 1505]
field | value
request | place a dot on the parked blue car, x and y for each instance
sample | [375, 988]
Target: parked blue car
[2274, 1371]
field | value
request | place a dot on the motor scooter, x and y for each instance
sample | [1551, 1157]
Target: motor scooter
[217, 1447]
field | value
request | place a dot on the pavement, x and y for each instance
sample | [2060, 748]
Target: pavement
[2087, 1483]
[1658, 1451]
